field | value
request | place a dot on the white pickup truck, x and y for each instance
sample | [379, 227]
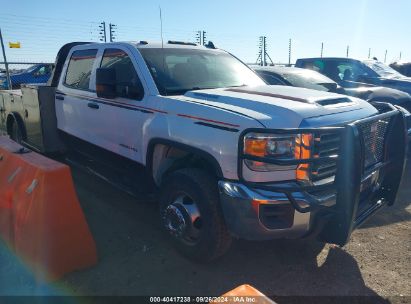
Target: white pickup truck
[229, 155]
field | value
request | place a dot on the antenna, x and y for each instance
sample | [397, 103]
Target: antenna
[161, 27]
[162, 45]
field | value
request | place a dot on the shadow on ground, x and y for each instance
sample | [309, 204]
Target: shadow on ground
[135, 257]
[401, 211]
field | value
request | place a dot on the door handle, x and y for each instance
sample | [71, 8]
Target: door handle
[93, 105]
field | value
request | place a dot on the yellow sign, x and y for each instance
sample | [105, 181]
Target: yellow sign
[14, 45]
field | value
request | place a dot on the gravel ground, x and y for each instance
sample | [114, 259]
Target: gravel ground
[135, 258]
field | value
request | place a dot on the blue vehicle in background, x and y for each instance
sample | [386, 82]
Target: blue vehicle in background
[39, 73]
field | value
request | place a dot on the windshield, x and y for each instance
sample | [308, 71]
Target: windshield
[176, 71]
[383, 70]
[30, 69]
[310, 80]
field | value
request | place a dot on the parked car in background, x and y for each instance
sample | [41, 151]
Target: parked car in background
[304, 78]
[349, 72]
[310, 79]
[39, 73]
[402, 67]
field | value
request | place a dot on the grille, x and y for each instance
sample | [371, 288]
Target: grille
[326, 144]
[373, 134]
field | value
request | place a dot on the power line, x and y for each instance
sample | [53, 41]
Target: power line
[42, 19]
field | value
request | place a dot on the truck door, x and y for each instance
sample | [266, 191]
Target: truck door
[73, 94]
[119, 121]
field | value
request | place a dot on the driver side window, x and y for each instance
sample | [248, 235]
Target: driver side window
[128, 84]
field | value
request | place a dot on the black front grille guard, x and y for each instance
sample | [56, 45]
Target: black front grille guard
[350, 164]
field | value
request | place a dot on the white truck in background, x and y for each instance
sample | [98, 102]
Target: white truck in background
[229, 155]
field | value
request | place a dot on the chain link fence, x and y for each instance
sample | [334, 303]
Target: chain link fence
[24, 72]
[40, 39]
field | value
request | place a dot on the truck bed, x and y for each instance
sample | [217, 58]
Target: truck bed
[33, 109]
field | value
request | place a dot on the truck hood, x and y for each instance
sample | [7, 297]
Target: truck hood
[280, 106]
[402, 84]
[380, 94]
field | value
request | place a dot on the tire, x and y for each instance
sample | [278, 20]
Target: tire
[195, 223]
[16, 133]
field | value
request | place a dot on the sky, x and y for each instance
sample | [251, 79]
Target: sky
[234, 25]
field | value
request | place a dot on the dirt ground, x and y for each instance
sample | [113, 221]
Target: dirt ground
[135, 258]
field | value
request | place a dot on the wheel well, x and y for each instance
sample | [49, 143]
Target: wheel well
[9, 123]
[15, 118]
[166, 157]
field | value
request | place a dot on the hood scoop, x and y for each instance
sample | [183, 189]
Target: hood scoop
[322, 102]
[333, 101]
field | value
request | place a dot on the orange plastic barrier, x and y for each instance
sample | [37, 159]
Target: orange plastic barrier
[40, 215]
[6, 197]
[246, 294]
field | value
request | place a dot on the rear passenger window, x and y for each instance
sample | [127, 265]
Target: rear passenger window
[128, 85]
[79, 69]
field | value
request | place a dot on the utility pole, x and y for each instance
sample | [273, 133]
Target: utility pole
[369, 53]
[201, 37]
[400, 56]
[103, 36]
[112, 28]
[198, 37]
[262, 53]
[204, 37]
[385, 56]
[348, 50]
[289, 52]
[5, 62]
[322, 49]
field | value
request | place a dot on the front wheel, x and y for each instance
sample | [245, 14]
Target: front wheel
[191, 214]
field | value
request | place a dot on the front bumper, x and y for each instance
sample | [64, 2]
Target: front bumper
[331, 210]
[255, 214]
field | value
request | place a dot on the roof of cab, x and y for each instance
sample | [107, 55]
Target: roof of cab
[143, 44]
[171, 45]
[335, 58]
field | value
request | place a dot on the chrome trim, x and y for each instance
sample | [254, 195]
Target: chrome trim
[238, 191]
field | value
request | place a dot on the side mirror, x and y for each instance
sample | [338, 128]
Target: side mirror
[106, 83]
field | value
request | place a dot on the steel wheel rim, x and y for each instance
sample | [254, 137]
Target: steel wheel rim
[182, 219]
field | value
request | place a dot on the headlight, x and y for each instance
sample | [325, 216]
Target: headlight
[278, 147]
